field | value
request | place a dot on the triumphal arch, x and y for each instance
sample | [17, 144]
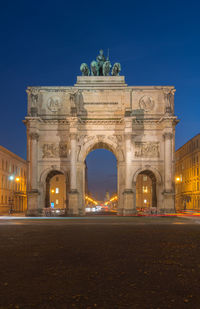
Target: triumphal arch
[64, 124]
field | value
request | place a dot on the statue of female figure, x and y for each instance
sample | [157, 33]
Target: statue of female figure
[100, 60]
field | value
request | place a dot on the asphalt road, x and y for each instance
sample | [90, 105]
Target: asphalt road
[106, 262]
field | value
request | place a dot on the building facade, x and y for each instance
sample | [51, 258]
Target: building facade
[187, 175]
[64, 124]
[13, 174]
[144, 189]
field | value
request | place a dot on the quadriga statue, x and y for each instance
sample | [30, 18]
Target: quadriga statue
[106, 68]
[116, 69]
[85, 69]
[100, 67]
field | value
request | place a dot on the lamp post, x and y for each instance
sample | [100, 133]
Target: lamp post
[13, 192]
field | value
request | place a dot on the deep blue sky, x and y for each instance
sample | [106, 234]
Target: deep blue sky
[102, 173]
[44, 43]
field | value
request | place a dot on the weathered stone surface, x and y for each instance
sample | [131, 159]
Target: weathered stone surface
[136, 123]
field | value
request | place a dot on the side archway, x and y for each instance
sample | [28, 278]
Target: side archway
[147, 182]
[54, 188]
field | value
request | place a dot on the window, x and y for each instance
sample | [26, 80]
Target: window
[57, 190]
[144, 177]
[144, 189]
[56, 202]
[57, 178]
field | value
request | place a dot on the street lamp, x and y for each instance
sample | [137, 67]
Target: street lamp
[11, 198]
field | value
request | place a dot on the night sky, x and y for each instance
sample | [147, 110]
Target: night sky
[44, 43]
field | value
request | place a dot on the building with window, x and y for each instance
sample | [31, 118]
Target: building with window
[144, 192]
[187, 175]
[58, 191]
[13, 171]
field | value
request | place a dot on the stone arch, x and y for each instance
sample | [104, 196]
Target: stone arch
[147, 169]
[156, 181]
[44, 181]
[97, 143]
[48, 170]
[100, 142]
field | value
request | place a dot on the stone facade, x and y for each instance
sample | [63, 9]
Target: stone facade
[187, 175]
[65, 123]
[13, 174]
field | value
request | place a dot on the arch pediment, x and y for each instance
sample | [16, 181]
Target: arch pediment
[147, 169]
[91, 143]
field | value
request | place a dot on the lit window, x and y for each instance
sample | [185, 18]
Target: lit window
[145, 201]
[57, 190]
[145, 189]
[56, 202]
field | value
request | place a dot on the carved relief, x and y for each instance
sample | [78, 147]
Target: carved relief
[117, 139]
[146, 103]
[83, 139]
[54, 104]
[169, 100]
[34, 99]
[147, 149]
[54, 150]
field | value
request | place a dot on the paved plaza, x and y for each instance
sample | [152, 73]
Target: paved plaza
[101, 262]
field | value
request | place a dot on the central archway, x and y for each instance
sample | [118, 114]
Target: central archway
[101, 182]
[118, 154]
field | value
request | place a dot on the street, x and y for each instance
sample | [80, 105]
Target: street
[102, 262]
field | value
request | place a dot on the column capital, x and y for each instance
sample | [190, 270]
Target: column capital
[167, 135]
[73, 135]
[128, 135]
[34, 136]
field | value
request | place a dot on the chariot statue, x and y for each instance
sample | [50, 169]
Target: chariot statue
[101, 66]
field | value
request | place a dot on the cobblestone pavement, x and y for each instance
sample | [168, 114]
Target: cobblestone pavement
[106, 262]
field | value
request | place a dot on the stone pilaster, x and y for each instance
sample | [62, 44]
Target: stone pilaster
[73, 194]
[128, 194]
[168, 205]
[32, 194]
[168, 161]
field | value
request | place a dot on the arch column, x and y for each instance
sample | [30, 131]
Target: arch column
[128, 194]
[73, 194]
[32, 194]
[169, 198]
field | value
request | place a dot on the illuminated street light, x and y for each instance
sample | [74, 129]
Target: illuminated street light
[17, 179]
[11, 177]
[178, 179]
[52, 191]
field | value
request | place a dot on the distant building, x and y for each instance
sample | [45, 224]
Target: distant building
[144, 192]
[13, 171]
[107, 196]
[187, 175]
[58, 191]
